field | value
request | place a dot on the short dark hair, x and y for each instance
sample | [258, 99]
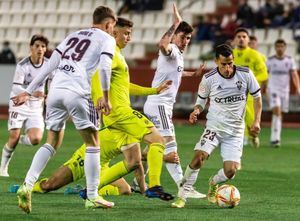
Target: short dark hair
[101, 13]
[39, 37]
[238, 30]
[184, 27]
[280, 41]
[253, 38]
[124, 22]
[224, 50]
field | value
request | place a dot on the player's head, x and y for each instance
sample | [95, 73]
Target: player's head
[104, 18]
[241, 38]
[253, 42]
[280, 47]
[224, 60]
[182, 35]
[123, 31]
[38, 46]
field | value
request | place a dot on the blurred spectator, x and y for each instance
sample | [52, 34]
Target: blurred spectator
[6, 55]
[295, 24]
[140, 6]
[277, 13]
[245, 14]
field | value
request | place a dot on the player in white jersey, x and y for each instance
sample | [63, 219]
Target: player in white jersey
[226, 87]
[28, 116]
[280, 68]
[159, 108]
[75, 61]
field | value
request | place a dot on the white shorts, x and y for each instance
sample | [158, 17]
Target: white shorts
[161, 117]
[231, 146]
[279, 100]
[19, 120]
[62, 104]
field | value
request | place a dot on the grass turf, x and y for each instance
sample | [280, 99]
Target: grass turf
[268, 183]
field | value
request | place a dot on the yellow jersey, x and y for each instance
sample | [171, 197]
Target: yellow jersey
[252, 59]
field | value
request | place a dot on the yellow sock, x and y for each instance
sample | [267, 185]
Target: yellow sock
[37, 186]
[109, 190]
[113, 173]
[155, 161]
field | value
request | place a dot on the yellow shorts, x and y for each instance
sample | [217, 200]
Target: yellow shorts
[112, 143]
[134, 123]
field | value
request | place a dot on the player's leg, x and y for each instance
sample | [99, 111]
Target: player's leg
[231, 153]
[34, 127]
[8, 150]
[275, 105]
[61, 177]
[118, 187]
[207, 143]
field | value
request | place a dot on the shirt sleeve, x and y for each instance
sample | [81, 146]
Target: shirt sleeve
[253, 86]
[203, 93]
[19, 76]
[293, 65]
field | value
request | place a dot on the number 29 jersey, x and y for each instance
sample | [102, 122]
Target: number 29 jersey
[80, 57]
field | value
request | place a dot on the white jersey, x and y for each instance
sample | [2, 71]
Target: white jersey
[25, 72]
[80, 56]
[279, 73]
[227, 99]
[168, 68]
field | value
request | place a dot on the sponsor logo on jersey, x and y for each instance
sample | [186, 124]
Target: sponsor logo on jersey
[67, 68]
[230, 99]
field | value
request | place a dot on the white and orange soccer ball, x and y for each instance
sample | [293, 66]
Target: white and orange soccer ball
[228, 196]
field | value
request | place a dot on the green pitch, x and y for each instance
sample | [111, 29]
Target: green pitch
[269, 183]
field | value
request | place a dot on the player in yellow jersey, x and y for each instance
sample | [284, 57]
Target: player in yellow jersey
[248, 57]
[123, 119]
[112, 145]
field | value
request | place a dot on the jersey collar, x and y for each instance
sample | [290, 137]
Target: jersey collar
[234, 70]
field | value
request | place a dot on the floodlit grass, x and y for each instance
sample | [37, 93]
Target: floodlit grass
[268, 183]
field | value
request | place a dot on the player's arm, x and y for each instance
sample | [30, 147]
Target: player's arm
[138, 90]
[295, 80]
[260, 69]
[164, 43]
[198, 73]
[47, 69]
[254, 91]
[105, 68]
[203, 93]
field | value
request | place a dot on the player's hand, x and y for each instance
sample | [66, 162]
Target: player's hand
[38, 94]
[104, 106]
[172, 158]
[164, 86]
[201, 70]
[20, 98]
[194, 116]
[177, 17]
[255, 129]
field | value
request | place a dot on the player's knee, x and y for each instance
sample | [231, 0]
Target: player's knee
[35, 140]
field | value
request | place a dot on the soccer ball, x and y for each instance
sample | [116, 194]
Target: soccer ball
[228, 196]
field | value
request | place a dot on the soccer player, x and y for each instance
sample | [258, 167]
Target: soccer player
[28, 116]
[75, 60]
[247, 57]
[281, 67]
[226, 86]
[124, 120]
[253, 43]
[159, 108]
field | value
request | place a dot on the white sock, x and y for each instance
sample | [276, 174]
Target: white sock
[24, 139]
[7, 153]
[174, 169]
[275, 128]
[38, 164]
[190, 177]
[92, 171]
[220, 177]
